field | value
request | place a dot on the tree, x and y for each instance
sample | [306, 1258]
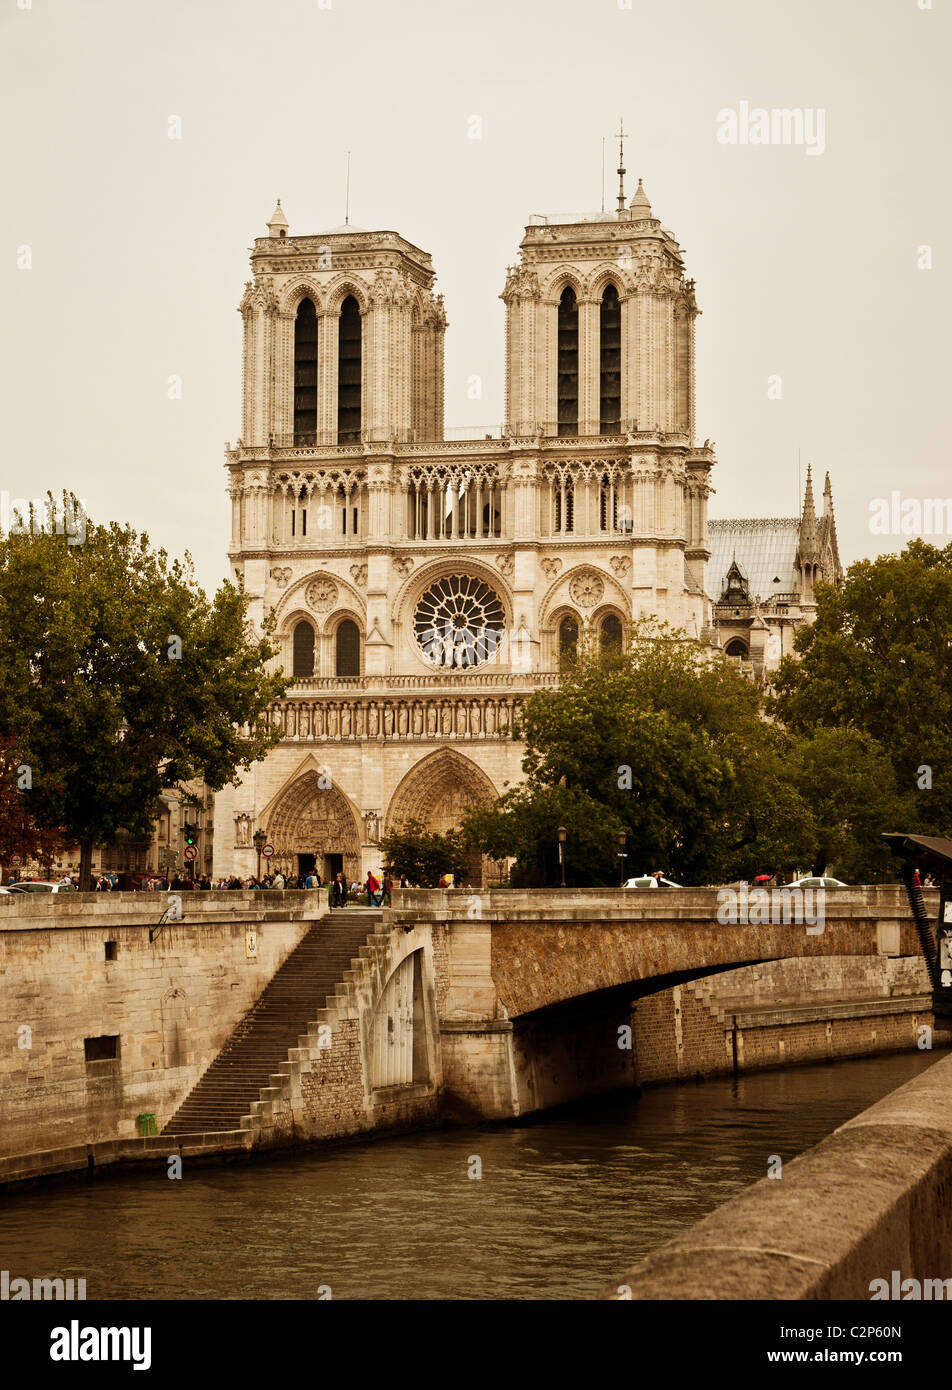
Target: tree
[423, 855]
[524, 824]
[19, 833]
[666, 742]
[119, 677]
[878, 660]
[850, 784]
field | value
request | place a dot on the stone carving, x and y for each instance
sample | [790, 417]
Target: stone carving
[371, 827]
[281, 577]
[321, 595]
[505, 564]
[620, 564]
[403, 566]
[360, 574]
[242, 831]
[586, 589]
[551, 567]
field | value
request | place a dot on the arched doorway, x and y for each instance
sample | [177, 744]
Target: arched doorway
[438, 792]
[313, 825]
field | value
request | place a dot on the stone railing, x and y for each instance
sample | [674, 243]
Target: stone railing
[455, 683]
[478, 717]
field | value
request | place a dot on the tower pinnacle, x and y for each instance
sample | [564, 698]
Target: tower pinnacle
[621, 170]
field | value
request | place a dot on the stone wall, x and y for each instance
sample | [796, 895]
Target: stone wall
[172, 1003]
[326, 1089]
[780, 1013]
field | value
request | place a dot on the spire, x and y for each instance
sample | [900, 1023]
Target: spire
[640, 207]
[278, 225]
[827, 497]
[809, 509]
[621, 170]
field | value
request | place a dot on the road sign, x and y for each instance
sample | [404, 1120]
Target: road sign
[267, 851]
[191, 852]
[16, 860]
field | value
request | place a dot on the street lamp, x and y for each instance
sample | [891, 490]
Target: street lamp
[622, 856]
[259, 839]
[563, 836]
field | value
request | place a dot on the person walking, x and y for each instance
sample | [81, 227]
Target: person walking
[387, 890]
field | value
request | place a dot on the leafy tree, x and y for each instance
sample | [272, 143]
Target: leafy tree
[19, 833]
[878, 660]
[119, 677]
[524, 824]
[850, 784]
[666, 742]
[424, 855]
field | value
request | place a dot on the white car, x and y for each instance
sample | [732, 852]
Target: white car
[824, 881]
[648, 881]
[37, 886]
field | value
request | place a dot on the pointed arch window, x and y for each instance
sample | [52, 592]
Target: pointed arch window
[611, 633]
[347, 649]
[736, 648]
[302, 644]
[305, 373]
[568, 642]
[609, 366]
[348, 372]
[567, 383]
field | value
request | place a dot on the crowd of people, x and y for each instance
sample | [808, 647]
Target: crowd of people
[377, 890]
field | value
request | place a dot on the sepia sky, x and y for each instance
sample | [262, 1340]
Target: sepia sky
[807, 265]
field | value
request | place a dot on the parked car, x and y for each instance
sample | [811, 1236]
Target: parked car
[38, 886]
[822, 882]
[646, 880]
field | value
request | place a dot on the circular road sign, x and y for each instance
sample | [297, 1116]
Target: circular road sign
[191, 852]
[267, 851]
[15, 860]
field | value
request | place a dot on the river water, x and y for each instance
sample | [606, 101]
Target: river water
[563, 1205]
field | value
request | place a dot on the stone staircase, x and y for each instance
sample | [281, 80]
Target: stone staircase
[288, 1006]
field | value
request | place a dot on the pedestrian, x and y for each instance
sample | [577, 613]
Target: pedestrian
[387, 890]
[277, 881]
[372, 884]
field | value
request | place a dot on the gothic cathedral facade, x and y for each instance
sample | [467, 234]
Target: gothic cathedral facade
[424, 588]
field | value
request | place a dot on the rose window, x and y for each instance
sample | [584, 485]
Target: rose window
[459, 621]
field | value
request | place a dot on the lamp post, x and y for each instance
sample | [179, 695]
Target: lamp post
[622, 856]
[259, 839]
[563, 836]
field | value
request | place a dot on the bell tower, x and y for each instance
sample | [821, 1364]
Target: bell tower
[600, 327]
[343, 340]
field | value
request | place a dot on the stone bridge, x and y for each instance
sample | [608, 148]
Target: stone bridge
[535, 987]
[483, 1005]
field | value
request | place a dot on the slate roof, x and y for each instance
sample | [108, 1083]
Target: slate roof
[765, 548]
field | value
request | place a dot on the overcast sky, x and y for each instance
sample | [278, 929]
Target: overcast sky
[806, 264]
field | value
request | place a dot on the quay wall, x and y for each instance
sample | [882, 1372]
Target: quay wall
[80, 966]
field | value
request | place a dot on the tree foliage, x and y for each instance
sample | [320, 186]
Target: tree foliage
[423, 855]
[669, 743]
[878, 660]
[119, 677]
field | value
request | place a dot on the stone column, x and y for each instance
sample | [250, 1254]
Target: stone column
[589, 385]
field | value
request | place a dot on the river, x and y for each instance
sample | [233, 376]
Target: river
[563, 1205]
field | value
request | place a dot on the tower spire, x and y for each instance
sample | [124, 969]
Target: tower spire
[621, 169]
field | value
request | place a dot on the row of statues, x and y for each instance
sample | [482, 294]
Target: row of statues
[399, 718]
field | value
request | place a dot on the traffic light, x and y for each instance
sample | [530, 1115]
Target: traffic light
[191, 832]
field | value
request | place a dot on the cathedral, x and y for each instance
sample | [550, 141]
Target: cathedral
[424, 588]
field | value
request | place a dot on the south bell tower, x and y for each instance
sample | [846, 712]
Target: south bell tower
[423, 588]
